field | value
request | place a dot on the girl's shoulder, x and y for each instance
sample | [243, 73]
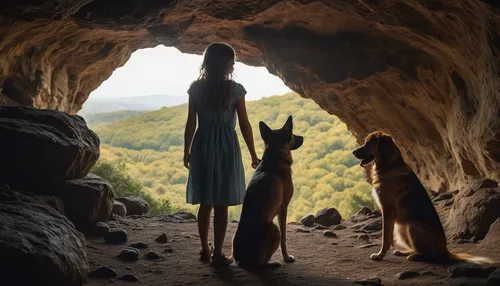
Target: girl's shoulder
[238, 89]
[195, 87]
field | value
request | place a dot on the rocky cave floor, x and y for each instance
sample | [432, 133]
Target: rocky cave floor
[321, 258]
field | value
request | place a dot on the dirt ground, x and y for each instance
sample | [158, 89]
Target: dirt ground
[320, 260]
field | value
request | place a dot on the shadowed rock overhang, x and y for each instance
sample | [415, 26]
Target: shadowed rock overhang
[426, 72]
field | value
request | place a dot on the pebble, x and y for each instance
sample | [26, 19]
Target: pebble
[162, 238]
[151, 255]
[129, 254]
[116, 236]
[321, 227]
[168, 250]
[138, 245]
[363, 237]
[369, 282]
[128, 278]
[103, 272]
[329, 233]
[373, 226]
[101, 228]
[407, 275]
[367, 245]
[308, 220]
[339, 227]
[303, 230]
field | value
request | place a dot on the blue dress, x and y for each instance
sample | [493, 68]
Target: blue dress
[216, 174]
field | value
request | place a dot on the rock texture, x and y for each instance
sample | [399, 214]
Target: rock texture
[134, 205]
[39, 246]
[426, 72]
[41, 149]
[473, 213]
[88, 200]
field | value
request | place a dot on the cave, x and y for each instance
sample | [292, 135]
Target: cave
[426, 72]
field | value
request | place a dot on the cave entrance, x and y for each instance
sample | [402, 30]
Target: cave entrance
[139, 114]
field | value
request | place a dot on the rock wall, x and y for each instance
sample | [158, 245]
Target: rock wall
[424, 71]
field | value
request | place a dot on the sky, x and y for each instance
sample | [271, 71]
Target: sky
[165, 70]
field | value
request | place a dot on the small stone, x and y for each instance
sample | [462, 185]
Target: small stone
[407, 275]
[442, 197]
[116, 236]
[369, 282]
[470, 270]
[364, 211]
[101, 228]
[138, 245]
[103, 272]
[129, 268]
[367, 245]
[363, 237]
[119, 209]
[128, 278]
[162, 238]
[334, 243]
[184, 215]
[303, 230]
[373, 226]
[308, 220]
[426, 272]
[494, 277]
[329, 233]
[168, 250]
[129, 254]
[151, 255]
[328, 217]
[339, 227]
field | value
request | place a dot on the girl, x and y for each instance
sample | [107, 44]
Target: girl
[216, 177]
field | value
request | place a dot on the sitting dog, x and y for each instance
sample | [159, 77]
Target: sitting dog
[407, 211]
[268, 194]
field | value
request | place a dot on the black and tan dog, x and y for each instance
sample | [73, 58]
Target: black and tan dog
[268, 195]
[408, 215]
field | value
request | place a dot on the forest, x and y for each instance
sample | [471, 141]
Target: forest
[149, 147]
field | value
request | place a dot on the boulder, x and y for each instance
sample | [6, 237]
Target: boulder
[473, 213]
[135, 205]
[41, 149]
[88, 200]
[491, 241]
[307, 220]
[39, 246]
[8, 195]
[328, 217]
[119, 209]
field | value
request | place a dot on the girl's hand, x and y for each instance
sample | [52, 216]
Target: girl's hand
[186, 160]
[255, 162]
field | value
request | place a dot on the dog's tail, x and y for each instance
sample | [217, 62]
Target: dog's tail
[469, 258]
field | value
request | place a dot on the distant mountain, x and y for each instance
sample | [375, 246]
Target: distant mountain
[95, 105]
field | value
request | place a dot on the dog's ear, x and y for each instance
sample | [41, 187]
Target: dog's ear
[383, 143]
[264, 130]
[288, 127]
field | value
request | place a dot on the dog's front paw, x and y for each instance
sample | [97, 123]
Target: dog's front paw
[376, 256]
[289, 259]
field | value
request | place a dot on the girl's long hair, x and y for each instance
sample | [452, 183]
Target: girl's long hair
[216, 74]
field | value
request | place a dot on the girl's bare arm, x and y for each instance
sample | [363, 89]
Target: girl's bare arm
[189, 131]
[245, 127]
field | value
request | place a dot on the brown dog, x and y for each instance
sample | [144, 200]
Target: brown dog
[268, 194]
[407, 211]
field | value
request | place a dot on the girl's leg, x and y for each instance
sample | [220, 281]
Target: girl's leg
[220, 226]
[203, 228]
